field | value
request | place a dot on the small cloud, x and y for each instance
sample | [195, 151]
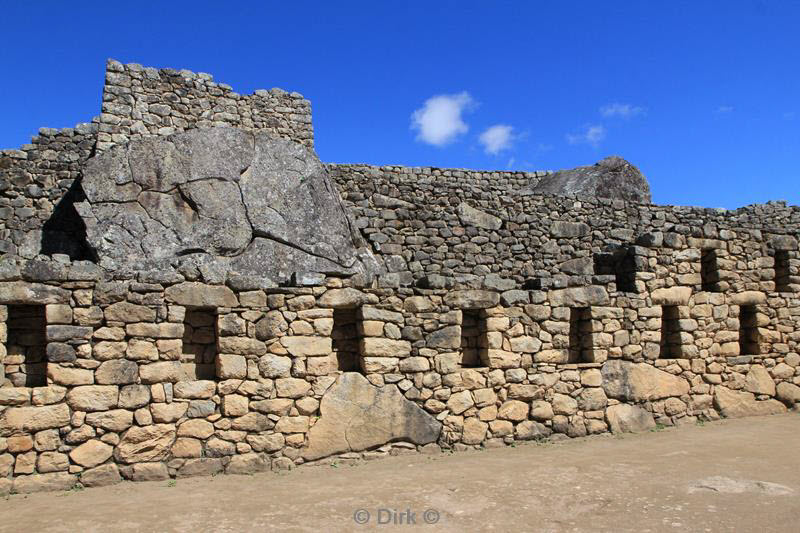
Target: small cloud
[497, 138]
[621, 110]
[439, 121]
[789, 115]
[511, 162]
[724, 109]
[593, 135]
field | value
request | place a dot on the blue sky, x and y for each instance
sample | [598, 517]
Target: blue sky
[704, 97]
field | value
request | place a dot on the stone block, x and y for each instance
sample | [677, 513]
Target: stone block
[58, 314]
[199, 389]
[62, 333]
[376, 347]
[145, 444]
[91, 453]
[161, 372]
[513, 410]
[56, 481]
[93, 397]
[234, 405]
[307, 346]
[625, 418]
[471, 299]
[292, 387]
[21, 292]
[502, 359]
[117, 372]
[69, 377]
[447, 337]
[195, 294]
[231, 366]
[116, 420]
[364, 405]
[379, 365]
[166, 413]
[101, 476]
[734, 404]
[640, 382]
[128, 312]
[578, 296]
[347, 298]
[671, 296]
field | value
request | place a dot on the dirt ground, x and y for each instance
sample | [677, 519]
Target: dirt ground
[733, 475]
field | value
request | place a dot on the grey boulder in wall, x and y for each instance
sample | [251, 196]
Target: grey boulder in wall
[612, 177]
[251, 203]
[356, 415]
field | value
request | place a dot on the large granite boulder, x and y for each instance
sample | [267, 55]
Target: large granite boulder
[737, 404]
[612, 177]
[625, 418]
[640, 382]
[356, 415]
[254, 204]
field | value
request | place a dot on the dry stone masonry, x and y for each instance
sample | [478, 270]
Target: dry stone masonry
[185, 289]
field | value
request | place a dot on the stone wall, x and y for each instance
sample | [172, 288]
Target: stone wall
[38, 186]
[448, 228]
[498, 317]
[142, 101]
[123, 400]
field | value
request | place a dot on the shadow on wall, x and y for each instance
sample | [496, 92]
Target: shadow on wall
[65, 232]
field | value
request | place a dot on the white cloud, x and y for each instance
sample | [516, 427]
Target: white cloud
[439, 121]
[497, 138]
[621, 110]
[724, 109]
[593, 135]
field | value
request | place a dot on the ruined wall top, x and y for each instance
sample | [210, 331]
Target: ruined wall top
[140, 101]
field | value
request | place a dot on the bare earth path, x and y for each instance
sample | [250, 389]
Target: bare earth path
[733, 475]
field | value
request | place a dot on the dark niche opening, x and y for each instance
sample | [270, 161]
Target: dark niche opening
[748, 331]
[199, 352]
[26, 348]
[709, 270]
[581, 349]
[345, 340]
[620, 263]
[782, 271]
[65, 232]
[670, 332]
[473, 334]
